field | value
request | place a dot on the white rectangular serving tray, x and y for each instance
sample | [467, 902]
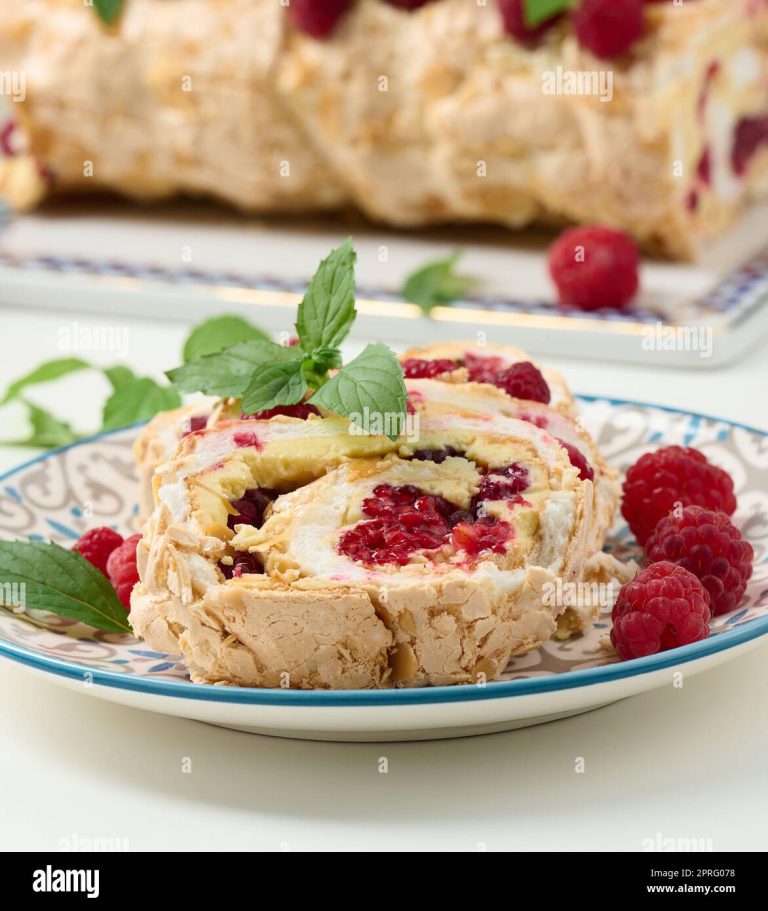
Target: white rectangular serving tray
[184, 261]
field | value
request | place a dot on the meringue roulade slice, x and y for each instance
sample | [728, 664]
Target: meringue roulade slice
[502, 366]
[389, 569]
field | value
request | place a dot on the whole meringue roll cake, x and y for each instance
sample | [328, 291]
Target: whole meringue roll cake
[289, 552]
[227, 98]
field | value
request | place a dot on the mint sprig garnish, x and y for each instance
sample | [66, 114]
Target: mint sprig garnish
[537, 11]
[218, 333]
[44, 373]
[265, 375]
[437, 283]
[51, 578]
[47, 431]
[275, 384]
[134, 398]
[138, 400]
[229, 372]
[370, 385]
[327, 310]
[108, 10]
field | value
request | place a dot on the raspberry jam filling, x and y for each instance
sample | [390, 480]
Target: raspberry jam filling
[250, 511]
[504, 483]
[242, 563]
[522, 380]
[586, 472]
[749, 135]
[301, 411]
[420, 369]
[196, 423]
[406, 520]
[438, 456]
[242, 440]
[251, 507]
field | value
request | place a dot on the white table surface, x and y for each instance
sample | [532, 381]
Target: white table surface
[686, 763]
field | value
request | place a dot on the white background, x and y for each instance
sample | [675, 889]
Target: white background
[685, 763]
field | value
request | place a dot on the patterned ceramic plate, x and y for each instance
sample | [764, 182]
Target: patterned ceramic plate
[61, 494]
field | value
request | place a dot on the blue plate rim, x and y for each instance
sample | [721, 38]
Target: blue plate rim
[423, 695]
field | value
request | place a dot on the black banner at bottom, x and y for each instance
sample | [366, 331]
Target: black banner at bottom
[107, 877]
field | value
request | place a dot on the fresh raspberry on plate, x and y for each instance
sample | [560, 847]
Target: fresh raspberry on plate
[97, 544]
[513, 18]
[417, 368]
[609, 28]
[663, 607]
[122, 571]
[709, 545]
[594, 267]
[675, 474]
[317, 18]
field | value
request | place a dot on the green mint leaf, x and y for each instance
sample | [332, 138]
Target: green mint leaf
[369, 391]
[108, 10]
[55, 579]
[139, 400]
[275, 384]
[229, 372]
[218, 333]
[325, 359]
[47, 431]
[436, 283]
[119, 376]
[45, 373]
[537, 11]
[328, 309]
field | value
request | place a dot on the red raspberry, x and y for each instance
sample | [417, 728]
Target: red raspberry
[524, 381]
[416, 368]
[122, 571]
[663, 607]
[709, 545]
[594, 267]
[513, 17]
[317, 17]
[609, 28]
[96, 546]
[658, 480]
